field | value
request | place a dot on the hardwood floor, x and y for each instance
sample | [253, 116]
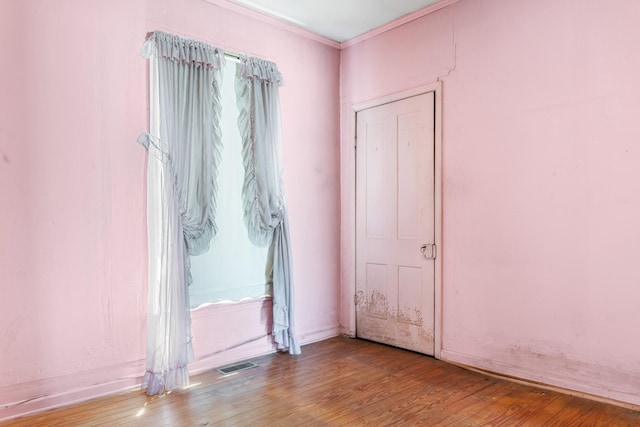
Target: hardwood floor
[343, 381]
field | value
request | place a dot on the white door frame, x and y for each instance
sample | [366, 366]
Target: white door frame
[349, 211]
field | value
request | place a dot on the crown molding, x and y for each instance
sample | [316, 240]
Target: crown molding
[398, 22]
[274, 21]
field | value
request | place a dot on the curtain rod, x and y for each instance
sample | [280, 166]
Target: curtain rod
[233, 56]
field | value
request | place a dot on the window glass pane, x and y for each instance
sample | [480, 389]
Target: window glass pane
[233, 268]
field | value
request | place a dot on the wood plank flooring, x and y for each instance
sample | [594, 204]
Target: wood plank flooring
[342, 382]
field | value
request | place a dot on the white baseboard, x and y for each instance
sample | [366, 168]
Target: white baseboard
[56, 396]
[319, 335]
[571, 377]
[250, 350]
[56, 392]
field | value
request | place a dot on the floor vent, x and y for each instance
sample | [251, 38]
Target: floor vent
[236, 367]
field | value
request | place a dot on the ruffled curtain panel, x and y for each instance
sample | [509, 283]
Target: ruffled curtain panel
[184, 150]
[265, 210]
[184, 145]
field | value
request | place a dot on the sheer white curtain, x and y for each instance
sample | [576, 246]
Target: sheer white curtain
[184, 151]
[265, 210]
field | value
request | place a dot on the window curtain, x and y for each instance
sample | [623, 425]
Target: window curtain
[265, 210]
[183, 146]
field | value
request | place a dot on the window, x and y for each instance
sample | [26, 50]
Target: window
[234, 268]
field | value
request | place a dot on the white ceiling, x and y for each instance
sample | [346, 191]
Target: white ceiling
[338, 20]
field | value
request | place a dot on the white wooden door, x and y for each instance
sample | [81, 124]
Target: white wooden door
[395, 246]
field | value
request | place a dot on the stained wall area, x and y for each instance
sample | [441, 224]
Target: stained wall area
[73, 99]
[541, 186]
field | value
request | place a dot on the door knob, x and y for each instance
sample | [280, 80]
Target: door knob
[429, 251]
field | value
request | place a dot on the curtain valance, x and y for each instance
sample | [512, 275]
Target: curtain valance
[176, 48]
[260, 69]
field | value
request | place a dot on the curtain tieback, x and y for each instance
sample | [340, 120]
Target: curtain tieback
[144, 139]
[147, 140]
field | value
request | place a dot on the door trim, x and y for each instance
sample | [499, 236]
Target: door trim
[348, 239]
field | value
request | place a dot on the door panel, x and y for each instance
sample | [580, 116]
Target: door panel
[377, 221]
[409, 295]
[395, 217]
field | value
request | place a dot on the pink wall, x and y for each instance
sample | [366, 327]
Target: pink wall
[540, 113]
[541, 185]
[72, 198]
